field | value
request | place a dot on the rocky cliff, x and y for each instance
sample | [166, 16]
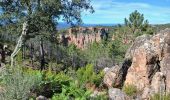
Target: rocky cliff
[146, 65]
[82, 36]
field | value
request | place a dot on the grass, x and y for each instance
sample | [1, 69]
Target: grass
[130, 90]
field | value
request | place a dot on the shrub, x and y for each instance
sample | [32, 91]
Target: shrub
[18, 84]
[130, 89]
[73, 92]
[118, 50]
[87, 74]
[52, 83]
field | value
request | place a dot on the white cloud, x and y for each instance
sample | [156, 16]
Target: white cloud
[114, 12]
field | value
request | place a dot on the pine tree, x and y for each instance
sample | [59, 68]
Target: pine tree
[41, 16]
[136, 23]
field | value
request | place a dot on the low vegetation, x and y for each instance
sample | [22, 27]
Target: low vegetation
[160, 96]
[20, 83]
[130, 90]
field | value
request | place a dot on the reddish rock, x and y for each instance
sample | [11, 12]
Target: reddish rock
[81, 36]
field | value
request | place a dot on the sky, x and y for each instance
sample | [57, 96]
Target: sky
[114, 11]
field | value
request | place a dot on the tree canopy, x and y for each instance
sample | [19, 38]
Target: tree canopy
[42, 15]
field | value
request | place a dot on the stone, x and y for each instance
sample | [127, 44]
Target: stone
[41, 98]
[111, 78]
[158, 83]
[146, 66]
[117, 94]
[146, 55]
[146, 93]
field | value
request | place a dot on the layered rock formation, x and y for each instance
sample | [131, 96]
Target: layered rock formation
[148, 66]
[82, 36]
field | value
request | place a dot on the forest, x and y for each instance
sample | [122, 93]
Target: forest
[37, 64]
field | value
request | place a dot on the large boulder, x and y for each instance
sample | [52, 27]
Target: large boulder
[146, 65]
[150, 68]
[115, 76]
[117, 94]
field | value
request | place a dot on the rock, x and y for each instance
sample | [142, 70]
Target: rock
[146, 65]
[111, 78]
[158, 83]
[82, 36]
[117, 94]
[146, 93]
[115, 76]
[41, 98]
[146, 54]
[106, 69]
[150, 68]
[96, 94]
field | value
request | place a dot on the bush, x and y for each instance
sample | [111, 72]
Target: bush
[130, 89]
[18, 84]
[52, 83]
[73, 92]
[75, 89]
[88, 75]
[118, 50]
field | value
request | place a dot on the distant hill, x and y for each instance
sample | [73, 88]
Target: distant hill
[63, 25]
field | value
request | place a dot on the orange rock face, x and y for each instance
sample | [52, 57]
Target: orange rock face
[81, 36]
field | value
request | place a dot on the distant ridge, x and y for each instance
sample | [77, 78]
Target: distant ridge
[62, 25]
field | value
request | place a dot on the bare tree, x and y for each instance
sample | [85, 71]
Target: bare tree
[20, 42]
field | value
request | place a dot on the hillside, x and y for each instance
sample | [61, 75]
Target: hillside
[47, 54]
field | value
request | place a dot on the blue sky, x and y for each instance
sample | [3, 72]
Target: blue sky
[114, 11]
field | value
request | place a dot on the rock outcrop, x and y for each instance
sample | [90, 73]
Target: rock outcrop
[82, 36]
[149, 55]
[117, 94]
[148, 66]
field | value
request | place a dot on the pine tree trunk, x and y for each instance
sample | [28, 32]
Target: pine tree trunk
[3, 56]
[42, 58]
[32, 54]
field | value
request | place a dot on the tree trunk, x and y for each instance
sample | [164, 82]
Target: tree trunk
[42, 58]
[2, 52]
[20, 42]
[23, 51]
[32, 54]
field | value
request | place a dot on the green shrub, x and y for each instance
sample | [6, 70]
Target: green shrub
[130, 89]
[73, 92]
[52, 83]
[117, 50]
[159, 96]
[87, 74]
[75, 89]
[18, 84]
